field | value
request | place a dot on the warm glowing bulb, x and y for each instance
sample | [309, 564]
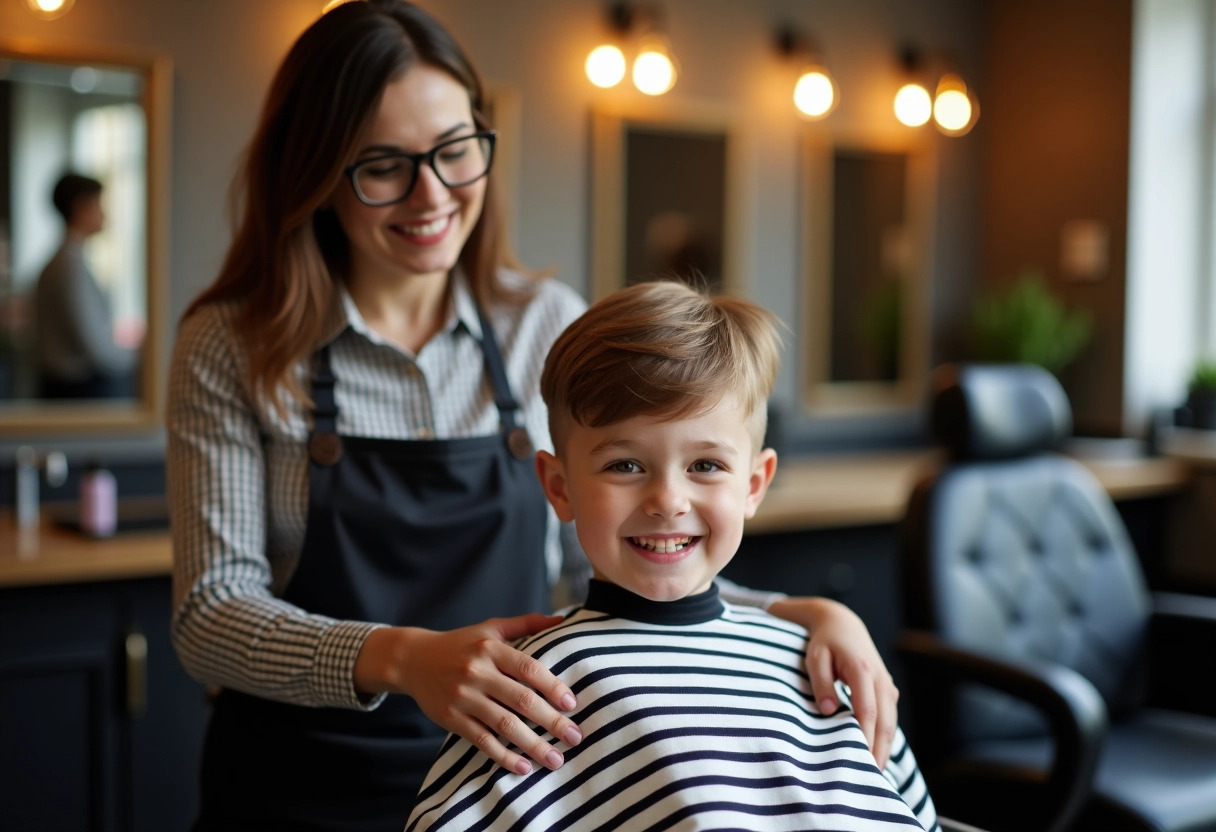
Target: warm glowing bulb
[605, 66]
[952, 110]
[653, 72]
[49, 9]
[815, 94]
[912, 105]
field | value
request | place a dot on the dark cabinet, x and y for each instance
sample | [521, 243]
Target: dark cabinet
[853, 565]
[100, 727]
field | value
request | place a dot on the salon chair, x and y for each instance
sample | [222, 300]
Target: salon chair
[1048, 688]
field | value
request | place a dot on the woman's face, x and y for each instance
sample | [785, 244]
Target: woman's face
[423, 234]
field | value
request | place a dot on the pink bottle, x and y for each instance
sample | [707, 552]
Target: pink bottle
[98, 501]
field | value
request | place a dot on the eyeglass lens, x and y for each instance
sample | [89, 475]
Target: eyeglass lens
[458, 162]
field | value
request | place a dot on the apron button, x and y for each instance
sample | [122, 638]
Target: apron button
[519, 444]
[325, 448]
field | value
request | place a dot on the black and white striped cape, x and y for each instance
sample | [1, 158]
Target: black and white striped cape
[695, 715]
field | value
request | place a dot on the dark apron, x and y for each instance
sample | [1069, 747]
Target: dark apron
[436, 534]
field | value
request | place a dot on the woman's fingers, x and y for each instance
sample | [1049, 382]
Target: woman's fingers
[473, 683]
[516, 691]
[531, 672]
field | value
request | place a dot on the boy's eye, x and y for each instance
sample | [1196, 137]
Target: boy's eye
[625, 466]
[705, 466]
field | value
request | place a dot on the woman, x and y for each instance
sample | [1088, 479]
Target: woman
[350, 469]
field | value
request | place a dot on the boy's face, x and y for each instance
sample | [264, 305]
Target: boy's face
[659, 505]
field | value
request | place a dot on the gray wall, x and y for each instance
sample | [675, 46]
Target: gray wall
[224, 52]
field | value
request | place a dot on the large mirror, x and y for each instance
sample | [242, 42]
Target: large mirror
[83, 223]
[669, 197]
[867, 234]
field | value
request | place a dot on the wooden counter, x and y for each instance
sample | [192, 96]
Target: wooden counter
[824, 492]
[857, 490]
[50, 554]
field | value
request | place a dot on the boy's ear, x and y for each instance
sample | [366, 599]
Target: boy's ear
[553, 480]
[757, 485]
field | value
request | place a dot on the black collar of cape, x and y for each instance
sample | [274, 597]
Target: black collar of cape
[620, 602]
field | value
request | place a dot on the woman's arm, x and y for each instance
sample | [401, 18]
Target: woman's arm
[228, 627]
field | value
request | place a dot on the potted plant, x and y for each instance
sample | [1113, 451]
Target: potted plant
[1027, 323]
[1201, 396]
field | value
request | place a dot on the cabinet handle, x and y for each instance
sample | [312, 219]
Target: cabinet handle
[136, 648]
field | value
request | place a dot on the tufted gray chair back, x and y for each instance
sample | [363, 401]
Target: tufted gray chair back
[1015, 550]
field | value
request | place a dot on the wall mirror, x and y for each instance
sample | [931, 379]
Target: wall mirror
[867, 263]
[103, 115]
[668, 197]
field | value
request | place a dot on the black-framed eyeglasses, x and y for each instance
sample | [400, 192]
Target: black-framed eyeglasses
[390, 178]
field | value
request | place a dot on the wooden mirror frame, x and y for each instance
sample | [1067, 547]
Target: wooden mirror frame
[609, 175]
[32, 418]
[821, 396]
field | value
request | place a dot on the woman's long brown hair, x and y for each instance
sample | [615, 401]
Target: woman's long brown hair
[288, 247]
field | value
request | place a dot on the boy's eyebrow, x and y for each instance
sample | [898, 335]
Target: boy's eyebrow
[627, 444]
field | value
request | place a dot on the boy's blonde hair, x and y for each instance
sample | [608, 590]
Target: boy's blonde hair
[661, 348]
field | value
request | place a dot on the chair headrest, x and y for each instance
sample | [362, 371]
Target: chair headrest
[997, 411]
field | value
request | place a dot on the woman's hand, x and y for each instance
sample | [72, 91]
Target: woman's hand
[473, 683]
[841, 648]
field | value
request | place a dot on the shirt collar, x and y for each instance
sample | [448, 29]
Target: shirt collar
[620, 602]
[345, 314]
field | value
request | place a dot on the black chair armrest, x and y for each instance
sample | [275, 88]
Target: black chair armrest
[1072, 706]
[1182, 631]
[951, 825]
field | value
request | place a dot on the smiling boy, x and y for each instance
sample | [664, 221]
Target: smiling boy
[695, 713]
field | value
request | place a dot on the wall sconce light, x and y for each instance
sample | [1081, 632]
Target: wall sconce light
[913, 106]
[49, 9]
[654, 69]
[815, 92]
[953, 107]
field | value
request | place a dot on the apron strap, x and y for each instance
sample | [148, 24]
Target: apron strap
[325, 406]
[503, 399]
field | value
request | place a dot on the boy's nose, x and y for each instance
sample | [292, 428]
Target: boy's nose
[665, 499]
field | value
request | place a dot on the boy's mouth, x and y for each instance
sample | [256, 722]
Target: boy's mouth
[663, 545]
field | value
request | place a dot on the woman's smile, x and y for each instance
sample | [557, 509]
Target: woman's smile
[425, 233]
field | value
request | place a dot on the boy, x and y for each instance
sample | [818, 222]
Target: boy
[695, 714]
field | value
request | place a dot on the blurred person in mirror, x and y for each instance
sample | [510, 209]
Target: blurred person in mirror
[77, 351]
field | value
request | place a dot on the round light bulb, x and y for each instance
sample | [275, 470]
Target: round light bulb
[605, 66]
[49, 9]
[815, 94]
[653, 72]
[912, 105]
[954, 109]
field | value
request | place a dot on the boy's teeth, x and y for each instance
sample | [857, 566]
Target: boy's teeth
[650, 544]
[423, 229]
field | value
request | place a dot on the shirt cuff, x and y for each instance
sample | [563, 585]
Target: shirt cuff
[333, 677]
